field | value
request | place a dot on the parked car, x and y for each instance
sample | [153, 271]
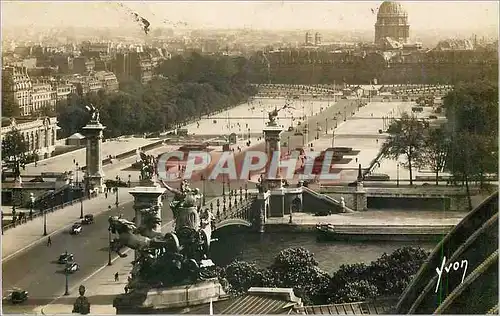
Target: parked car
[116, 183]
[88, 219]
[18, 296]
[65, 258]
[72, 267]
[76, 229]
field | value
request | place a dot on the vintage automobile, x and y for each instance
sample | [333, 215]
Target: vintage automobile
[76, 229]
[88, 219]
[65, 258]
[18, 296]
[72, 267]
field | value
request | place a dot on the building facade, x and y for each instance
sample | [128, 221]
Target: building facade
[108, 80]
[137, 66]
[40, 134]
[42, 95]
[63, 90]
[392, 22]
[21, 87]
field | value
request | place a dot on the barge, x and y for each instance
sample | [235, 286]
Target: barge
[330, 232]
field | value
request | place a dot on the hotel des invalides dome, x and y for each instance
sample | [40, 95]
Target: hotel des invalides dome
[391, 58]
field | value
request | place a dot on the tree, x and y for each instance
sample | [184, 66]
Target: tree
[472, 113]
[406, 138]
[242, 275]
[14, 149]
[187, 88]
[435, 151]
[350, 284]
[391, 274]
[297, 268]
[10, 108]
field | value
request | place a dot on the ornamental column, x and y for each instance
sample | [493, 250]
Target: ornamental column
[94, 173]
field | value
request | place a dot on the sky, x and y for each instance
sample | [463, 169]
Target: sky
[320, 15]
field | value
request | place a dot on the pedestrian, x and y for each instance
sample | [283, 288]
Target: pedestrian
[49, 242]
[106, 194]
[116, 277]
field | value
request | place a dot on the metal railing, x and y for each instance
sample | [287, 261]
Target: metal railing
[27, 218]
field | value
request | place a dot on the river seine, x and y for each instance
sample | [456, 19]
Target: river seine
[234, 243]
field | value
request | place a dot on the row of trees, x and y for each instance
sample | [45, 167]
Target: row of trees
[296, 268]
[185, 89]
[466, 145]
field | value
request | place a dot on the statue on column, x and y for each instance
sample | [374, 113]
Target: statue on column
[94, 113]
[274, 114]
[148, 168]
[176, 258]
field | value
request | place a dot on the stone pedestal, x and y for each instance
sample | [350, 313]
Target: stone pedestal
[272, 135]
[277, 203]
[263, 206]
[360, 201]
[159, 301]
[94, 174]
[293, 200]
[144, 198]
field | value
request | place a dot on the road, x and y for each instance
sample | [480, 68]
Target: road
[37, 272]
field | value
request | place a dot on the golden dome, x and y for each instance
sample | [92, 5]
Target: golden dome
[391, 8]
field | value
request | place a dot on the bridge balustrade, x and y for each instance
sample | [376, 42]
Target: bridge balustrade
[234, 205]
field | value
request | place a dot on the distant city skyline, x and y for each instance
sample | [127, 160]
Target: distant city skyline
[279, 15]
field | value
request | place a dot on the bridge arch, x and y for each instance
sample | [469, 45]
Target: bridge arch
[233, 222]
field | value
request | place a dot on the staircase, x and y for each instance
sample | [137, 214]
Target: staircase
[327, 201]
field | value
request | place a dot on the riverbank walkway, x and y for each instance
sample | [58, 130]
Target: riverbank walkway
[374, 218]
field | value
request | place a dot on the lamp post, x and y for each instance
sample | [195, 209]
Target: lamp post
[129, 182]
[32, 204]
[66, 274]
[397, 175]
[45, 219]
[326, 126]
[223, 185]
[109, 246]
[116, 190]
[333, 138]
[81, 205]
[76, 171]
[203, 201]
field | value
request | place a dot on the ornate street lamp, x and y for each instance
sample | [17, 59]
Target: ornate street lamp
[32, 204]
[397, 175]
[81, 206]
[109, 246]
[45, 218]
[203, 201]
[66, 274]
[116, 190]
